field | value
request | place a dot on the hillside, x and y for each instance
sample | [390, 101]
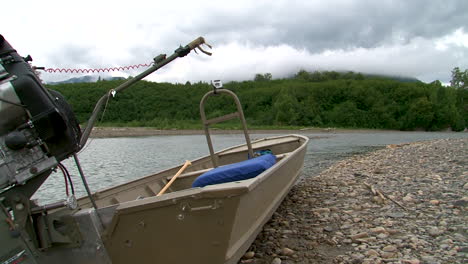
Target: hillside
[86, 79]
[351, 101]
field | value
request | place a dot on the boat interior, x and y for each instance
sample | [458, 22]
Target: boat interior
[151, 185]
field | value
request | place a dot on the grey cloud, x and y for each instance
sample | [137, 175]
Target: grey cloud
[312, 26]
[72, 55]
[334, 24]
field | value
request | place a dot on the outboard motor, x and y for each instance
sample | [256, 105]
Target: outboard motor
[37, 127]
[37, 131]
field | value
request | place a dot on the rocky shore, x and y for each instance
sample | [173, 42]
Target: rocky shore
[402, 204]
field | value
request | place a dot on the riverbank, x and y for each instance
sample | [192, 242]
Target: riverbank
[402, 204]
[107, 132]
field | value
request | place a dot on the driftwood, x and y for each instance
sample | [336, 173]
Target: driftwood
[381, 194]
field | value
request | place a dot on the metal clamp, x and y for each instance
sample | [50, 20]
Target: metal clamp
[185, 207]
[197, 43]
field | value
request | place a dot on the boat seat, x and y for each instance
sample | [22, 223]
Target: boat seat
[236, 172]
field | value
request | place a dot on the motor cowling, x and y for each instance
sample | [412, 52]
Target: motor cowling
[38, 128]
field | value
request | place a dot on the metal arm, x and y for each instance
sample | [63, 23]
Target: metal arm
[159, 62]
[206, 123]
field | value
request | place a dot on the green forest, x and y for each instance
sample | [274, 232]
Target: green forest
[309, 99]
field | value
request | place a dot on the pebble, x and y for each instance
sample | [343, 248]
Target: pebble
[388, 255]
[359, 235]
[286, 251]
[276, 261]
[382, 236]
[408, 198]
[372, 253]
[249, 255]
[411, 261]
[447, 241]
[322, 210]
[459, 237]
[334, 218]
[346, 226]
[434, 231]
[444, 246]
[357, 257]
[396, 215]
[429, 260]
[389, 248]
[378, 230]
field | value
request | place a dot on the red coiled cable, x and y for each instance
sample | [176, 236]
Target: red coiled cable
[123, 68]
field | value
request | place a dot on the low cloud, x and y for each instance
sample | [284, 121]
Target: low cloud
[414, 38]
[420, 58]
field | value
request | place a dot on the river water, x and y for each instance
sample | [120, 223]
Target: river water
[110, 161]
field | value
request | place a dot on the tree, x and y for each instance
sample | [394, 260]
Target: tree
[263, 77]
[347, 114]
[419, 115]
[460, 83]
[370, 103]
[302, 75]
[316, 76]
[286, 108]
[359, 77]
[459, 79]
[331, 75]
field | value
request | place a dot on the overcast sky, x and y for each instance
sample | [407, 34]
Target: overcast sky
[418, 38]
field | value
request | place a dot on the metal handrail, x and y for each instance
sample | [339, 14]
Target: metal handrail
[206, 123]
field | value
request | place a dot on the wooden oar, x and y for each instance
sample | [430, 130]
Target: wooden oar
[186, 164]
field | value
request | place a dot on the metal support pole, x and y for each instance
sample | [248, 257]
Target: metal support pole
[85, 183]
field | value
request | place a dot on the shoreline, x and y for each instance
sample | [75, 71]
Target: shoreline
[403, 204]
[111, 132]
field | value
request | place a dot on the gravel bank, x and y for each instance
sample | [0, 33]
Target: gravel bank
[402, 204]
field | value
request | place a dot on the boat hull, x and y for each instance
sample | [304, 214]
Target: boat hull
[213, 224]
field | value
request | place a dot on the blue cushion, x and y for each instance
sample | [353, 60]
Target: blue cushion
[236, 172]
